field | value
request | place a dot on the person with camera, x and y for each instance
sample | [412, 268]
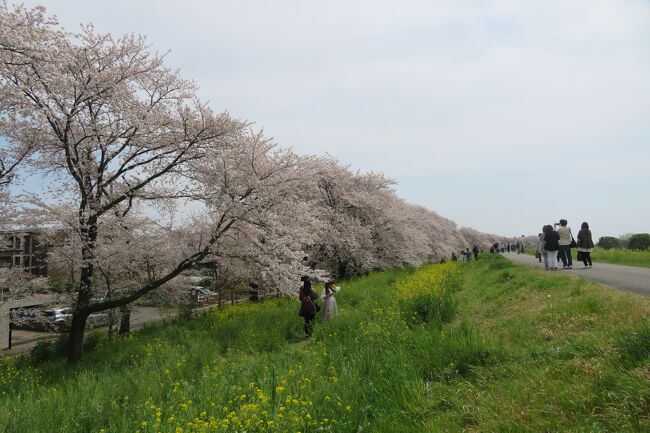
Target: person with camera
[566, 243]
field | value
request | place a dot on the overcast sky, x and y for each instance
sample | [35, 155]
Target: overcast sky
[502, 115]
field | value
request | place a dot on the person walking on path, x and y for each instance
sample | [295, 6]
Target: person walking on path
[565, 244]
[329, 302]
[308, 306]
[585, 244]
[540, 250]
[551, 246]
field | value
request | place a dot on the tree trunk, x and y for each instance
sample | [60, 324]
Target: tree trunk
[111, 322]
[76, 341]
[88, 234]
[342, 270]
[125, 320]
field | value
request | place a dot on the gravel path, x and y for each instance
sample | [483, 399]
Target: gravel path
[627, 278]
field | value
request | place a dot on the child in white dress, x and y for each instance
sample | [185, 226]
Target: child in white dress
[329, 302]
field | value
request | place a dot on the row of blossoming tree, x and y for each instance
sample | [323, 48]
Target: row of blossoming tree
[126, 146]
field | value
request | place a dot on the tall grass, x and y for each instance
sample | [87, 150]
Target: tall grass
[622, 257]
[244, 368]
[487, 346]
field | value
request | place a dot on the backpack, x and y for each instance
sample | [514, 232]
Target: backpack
[307, 307]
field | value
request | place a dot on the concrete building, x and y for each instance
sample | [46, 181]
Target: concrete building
[22, 249]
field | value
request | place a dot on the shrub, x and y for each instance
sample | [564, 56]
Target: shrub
[639, 241]
[186, 311]
[609, 242]
[46, 350]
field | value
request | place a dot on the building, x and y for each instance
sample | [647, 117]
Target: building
[22, 249]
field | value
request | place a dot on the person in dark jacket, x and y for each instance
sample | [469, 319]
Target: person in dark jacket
[308, 305]
[551, 246]
[585, 244]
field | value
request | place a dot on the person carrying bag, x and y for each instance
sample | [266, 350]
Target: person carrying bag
[308, 306]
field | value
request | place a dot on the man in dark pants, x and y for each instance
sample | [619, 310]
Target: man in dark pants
[565, 244]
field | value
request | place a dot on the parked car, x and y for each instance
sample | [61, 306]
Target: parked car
[59, 319]
[202, 296]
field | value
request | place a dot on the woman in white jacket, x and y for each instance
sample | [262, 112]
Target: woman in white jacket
[329, 302]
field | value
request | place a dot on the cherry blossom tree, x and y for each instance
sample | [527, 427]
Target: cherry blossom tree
[127, 143]
[348, 206]
[252, 191]
[25, 36]
[477, 238]
[114, 124]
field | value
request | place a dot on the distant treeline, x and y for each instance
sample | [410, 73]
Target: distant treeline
[638, 241]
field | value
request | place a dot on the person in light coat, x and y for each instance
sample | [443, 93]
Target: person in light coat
[565, 244]
[540, 250]
[329, 302]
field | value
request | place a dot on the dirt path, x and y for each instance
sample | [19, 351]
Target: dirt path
[627, 278]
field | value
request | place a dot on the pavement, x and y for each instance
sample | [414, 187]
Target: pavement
[631, 279]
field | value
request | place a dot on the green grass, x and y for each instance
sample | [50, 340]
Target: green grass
[504, 349]
[618, 256]
[622, 257]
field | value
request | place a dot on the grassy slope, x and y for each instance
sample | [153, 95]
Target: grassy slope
[526, 351]
[569, 355]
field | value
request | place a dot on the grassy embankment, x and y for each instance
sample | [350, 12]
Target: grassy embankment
[622, 257]
[617, 256]
[504, 349]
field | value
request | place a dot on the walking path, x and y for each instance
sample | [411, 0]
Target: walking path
[627, 278]
[23, 340]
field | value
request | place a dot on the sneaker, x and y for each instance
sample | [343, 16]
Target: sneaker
[570, 267]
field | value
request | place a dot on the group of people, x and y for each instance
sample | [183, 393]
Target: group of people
[519, 247]
[556, 241]
[465, 256]
[309, 306]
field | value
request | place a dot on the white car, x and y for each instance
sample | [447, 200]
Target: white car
[202, 296]
[59, 319]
